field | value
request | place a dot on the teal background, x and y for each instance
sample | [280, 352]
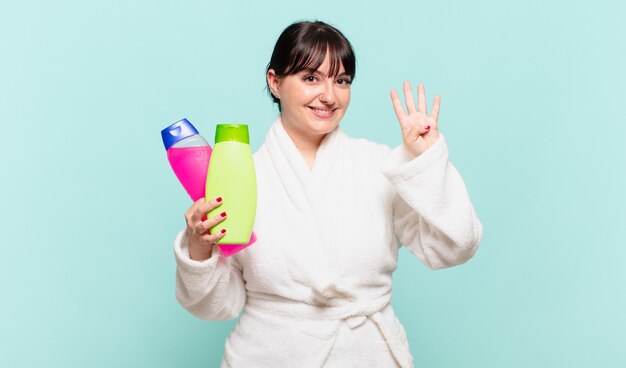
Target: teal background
[532, 108]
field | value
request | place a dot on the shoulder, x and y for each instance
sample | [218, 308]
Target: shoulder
[364, 149]
[260, 154]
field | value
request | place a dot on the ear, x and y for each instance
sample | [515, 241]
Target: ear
[274, 83]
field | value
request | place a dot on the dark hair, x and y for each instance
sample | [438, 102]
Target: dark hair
[304, 45]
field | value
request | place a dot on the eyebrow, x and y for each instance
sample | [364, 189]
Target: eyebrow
[316, 71]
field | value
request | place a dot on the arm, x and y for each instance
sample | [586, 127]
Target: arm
[432, 213]
[208, 285]
[212, 289]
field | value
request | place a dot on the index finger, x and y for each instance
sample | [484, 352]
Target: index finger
[203, 208]
[193, 208]
[397, 106]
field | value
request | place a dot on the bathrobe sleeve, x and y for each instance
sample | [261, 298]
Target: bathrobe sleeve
[212, 289]
[433, 215]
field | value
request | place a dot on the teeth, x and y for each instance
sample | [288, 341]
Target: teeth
[321, 111]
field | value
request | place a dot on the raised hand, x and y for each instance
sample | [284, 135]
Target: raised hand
[419, 130]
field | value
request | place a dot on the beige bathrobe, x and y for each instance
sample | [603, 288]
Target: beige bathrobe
[316, 287]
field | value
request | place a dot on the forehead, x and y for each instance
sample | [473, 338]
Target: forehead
[326, 66]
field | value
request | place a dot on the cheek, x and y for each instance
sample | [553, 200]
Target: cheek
[307, 95]
[345, 98]
[301, 96]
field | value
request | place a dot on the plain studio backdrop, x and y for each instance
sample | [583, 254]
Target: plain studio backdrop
[532, 107]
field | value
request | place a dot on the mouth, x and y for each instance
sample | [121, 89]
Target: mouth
[323, 113]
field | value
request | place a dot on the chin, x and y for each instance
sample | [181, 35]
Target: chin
[324, 127]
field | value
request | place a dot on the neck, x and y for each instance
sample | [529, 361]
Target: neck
[307, 145]
[303, 142]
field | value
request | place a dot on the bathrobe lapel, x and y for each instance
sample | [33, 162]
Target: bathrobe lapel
[304, 187]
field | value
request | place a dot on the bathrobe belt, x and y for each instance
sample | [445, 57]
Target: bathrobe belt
[353, 313]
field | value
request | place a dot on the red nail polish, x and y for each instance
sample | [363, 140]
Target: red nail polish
[223, 231]
[427, 127]
[219, 199]
[223, 214]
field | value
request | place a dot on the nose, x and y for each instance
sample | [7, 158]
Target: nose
[327, 95]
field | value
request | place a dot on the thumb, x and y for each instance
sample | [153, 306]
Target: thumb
[415, 131]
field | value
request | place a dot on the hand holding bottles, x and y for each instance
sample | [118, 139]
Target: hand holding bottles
[200, 240]
[190, 155]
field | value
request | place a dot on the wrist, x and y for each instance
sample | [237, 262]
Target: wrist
[200, 255]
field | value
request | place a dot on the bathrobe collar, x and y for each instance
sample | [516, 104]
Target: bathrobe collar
[304, 187]
[323, 162]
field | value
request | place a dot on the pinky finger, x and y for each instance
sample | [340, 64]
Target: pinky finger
[435, 111]
[213, 238]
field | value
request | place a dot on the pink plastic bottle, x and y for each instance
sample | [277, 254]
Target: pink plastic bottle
[189, 155]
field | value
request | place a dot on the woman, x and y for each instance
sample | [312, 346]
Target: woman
[332, 212]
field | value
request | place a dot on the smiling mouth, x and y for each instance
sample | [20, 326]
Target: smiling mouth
[323, 113]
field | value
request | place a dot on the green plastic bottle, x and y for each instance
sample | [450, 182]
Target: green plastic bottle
[231, 176]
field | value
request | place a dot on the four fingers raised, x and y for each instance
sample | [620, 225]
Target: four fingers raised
[401, 113]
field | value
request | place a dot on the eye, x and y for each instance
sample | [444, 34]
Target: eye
[310, 78]
[344, 81]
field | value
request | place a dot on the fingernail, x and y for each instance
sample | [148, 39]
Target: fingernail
[427, 127]
[219, 199]
[223, 214]
[223, 231]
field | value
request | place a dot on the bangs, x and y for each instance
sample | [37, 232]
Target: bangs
[312, 50]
